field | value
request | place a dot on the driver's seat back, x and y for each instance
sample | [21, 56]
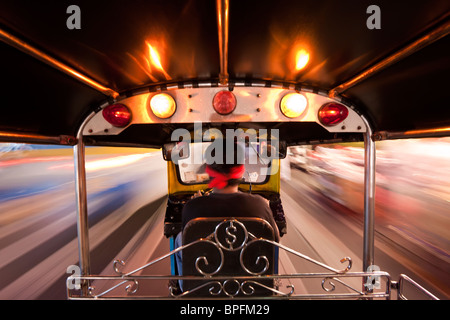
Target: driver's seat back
[228, 247]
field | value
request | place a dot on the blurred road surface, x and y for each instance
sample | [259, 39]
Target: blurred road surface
[38, 237]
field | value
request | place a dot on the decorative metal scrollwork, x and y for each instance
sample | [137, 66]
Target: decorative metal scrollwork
[231, 235]
[328, 280]
[260, 260]
[333, 286]
[116, 268]
[213, 285]
[349, 266]
[232, 229]
[131, 288]
[231, 293]
[205, 261]
[232, 287]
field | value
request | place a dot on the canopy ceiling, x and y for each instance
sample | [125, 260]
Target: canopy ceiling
[113, 47]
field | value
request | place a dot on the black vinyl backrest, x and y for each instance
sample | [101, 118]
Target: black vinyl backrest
[221, 255]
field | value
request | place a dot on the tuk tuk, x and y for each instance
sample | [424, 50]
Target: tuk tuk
[179, 75]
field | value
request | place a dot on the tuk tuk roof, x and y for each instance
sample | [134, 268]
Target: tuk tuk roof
[113, 45]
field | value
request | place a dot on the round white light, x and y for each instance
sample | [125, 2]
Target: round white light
[163, 105]
[293, 104]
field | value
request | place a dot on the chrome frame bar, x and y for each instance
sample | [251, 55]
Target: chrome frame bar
[82, 208]
[384, 293]
[36, 138]
[82, 213]
[213, 280]
[402, 279]
[42, 56]
[369, 199]
[411, 134]
[222, 26]
[434, 35]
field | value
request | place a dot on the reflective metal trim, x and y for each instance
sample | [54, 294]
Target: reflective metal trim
[425, 133]
[36, 53]
[36, 138]
[254, 104]
[222, 26]
[422, 42]
[82, 210]
[369, 200]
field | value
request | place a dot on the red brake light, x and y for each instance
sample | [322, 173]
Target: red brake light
[224, 102]
[117, 114]
[332, 113]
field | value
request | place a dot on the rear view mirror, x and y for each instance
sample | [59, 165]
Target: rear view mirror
[282, 151]
[276, 150]
[175, 151]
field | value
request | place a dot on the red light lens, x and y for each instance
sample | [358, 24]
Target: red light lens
[117, 114]
[332, 113]
[224, 102]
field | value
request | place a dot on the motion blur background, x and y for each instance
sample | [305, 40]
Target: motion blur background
[321, 190]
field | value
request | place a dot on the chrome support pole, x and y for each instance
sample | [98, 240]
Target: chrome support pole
[222, 26]
[82, 213]
[82, 209]
[369, 200]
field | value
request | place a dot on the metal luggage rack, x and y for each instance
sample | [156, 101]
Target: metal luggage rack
[375, 284]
